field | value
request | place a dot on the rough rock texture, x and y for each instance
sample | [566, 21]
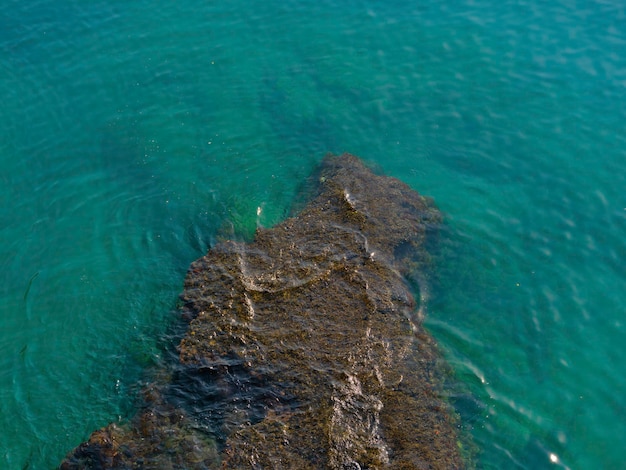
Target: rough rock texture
[304, 348]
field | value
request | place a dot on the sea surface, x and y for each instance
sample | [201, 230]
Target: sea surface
[134, 134]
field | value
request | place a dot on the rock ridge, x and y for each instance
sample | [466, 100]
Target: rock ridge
[304, 348]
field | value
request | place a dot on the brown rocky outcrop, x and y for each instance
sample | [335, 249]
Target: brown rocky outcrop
[304, 348]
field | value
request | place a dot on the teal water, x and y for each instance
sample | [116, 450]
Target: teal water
[134, 133]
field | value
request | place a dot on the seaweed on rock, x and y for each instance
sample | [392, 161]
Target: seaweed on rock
[304, 348]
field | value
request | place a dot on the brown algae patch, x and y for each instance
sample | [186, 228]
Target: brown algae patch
[304, 348]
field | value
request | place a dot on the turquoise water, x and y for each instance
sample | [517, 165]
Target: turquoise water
[135, 133]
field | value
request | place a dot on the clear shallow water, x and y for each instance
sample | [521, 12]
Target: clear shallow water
[133, 135]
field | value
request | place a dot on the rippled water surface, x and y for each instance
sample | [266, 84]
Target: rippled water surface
[135, 133]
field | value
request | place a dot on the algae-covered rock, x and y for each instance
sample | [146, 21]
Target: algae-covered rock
[304, 348]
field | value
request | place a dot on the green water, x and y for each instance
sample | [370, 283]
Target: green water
[134, 133]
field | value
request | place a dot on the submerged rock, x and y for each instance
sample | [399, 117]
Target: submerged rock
[304, 348]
